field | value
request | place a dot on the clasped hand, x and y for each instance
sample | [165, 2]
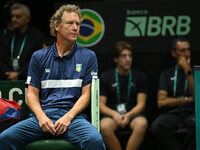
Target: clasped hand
[122, 120]
[57, 129]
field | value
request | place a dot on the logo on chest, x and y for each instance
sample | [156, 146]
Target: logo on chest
[47, 70]
[78, 67]
[114, 84]
[172, 78]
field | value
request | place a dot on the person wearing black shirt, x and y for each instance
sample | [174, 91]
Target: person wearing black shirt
[17, 48]
[123, 93]
[175, 98]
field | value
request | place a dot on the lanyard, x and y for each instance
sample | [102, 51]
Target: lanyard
[5, 31]
[21, 48]
[175, 82]
[118, 88]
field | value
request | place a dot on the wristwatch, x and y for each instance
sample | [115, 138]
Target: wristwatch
[188, 73]
[186, 98]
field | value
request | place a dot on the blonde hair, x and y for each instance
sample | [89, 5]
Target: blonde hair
[57, 16]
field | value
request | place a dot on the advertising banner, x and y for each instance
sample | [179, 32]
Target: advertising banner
[149, 26]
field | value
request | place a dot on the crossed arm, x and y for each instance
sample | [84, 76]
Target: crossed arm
[164, 100]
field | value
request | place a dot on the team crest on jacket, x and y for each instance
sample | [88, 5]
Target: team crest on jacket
[78, 67]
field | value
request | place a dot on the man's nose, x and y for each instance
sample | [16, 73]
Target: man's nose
[13, 18]
[187, 52]
[75, 26]
[128, 57]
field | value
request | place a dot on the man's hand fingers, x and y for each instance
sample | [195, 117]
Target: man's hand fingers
[48, 127]
[44, 128]
[51, 130]
[61, 131]
[60, 128]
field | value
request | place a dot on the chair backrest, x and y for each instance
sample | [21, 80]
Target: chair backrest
[95, 114]
[16, 90]
[197, 104]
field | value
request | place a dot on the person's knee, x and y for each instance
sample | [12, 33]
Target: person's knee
[95, 141]
[107, 128]
[157, 126]
[153, 127]
[156, 129]
[140, 125]
[96, 138]
[4, 139]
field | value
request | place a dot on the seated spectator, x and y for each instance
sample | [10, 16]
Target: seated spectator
[16, 49]
[59, 84]
[123, 95]
[175, 99]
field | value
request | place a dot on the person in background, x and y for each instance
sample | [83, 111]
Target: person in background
[17, 48]
[59, 89]
[175, 99]
[123, 95]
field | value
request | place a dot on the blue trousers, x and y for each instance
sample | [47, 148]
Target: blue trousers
[80, 132]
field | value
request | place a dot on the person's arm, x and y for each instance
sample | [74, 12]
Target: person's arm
[185, 65]
[84, 100]
[163, 100]
[141, 98]
[139, 108]
[12, 75]
[190, 79]
[104, 109]
[34, 104]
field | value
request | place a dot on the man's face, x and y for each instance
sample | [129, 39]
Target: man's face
[19, 19]
[125, 59]
[69, 27]
[182, 50]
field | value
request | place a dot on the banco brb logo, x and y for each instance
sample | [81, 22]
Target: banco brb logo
[157, 26]
[91, 28]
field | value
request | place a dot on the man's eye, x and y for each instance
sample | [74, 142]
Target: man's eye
[182, 50]
[17, 16]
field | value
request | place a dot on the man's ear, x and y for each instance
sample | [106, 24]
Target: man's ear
[56, 26]
[173, 52]
[28, 19]
[115, 60]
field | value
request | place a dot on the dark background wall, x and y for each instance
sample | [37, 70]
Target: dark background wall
[152, 54]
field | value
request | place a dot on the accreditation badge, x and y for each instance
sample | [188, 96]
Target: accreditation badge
[121, 108]
[15, 64]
